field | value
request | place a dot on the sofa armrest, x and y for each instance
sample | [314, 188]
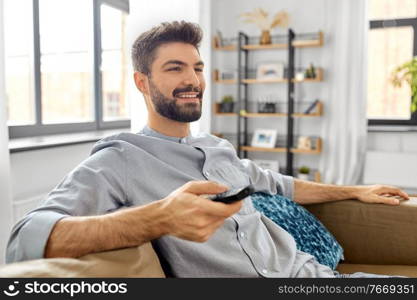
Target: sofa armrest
[372, 233]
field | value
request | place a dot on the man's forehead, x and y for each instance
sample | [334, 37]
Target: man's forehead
[179, 52]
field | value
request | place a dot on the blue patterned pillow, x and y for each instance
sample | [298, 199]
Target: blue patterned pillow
[309, 233]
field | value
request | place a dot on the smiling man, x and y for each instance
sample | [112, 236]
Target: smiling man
[149, 186]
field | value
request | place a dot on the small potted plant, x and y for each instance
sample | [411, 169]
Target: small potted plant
[310, 72]
[303, 173]
[227, 104]
[407, 72]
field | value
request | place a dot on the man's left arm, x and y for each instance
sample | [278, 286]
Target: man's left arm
[306, 192]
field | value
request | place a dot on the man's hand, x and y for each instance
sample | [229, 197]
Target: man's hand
[190, 216]
[380, 194]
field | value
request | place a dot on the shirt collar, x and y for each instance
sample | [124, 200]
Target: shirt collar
[150, 132]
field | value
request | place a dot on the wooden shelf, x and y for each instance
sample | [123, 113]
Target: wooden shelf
[261, 149]
[318, 112]
[225, 48]
[318, 78]
[297, 44]
[293, 150]
[216, 46]
[309, 43]
[262, 115]
[317, 177]
[225, 81]
[217, 79]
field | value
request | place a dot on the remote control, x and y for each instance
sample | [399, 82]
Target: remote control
[233, 195]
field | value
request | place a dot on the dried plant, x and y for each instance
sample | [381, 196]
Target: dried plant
[260, 18]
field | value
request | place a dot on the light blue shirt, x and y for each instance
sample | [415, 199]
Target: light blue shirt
[128, 170]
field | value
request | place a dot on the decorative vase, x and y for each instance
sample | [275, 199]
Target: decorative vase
[227, 107]
[303, 176]
[265, 37]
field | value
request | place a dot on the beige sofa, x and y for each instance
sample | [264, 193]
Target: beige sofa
[377, 239]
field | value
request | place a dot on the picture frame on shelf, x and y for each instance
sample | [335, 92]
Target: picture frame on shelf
[273, 70]
[265, 138]
[267, 164]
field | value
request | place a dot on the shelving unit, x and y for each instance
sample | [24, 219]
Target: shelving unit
[243, 82]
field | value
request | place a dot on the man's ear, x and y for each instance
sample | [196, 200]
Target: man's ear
[141, 81]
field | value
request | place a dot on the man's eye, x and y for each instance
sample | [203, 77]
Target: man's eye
[174, 69]
[199, 70]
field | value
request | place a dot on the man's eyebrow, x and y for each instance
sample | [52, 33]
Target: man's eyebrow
[181, 63]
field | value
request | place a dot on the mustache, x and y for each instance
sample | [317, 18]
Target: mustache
[186, 89]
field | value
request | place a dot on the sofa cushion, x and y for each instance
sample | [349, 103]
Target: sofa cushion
[139, 261]
[372, 233]
[409, 271]
[309, 233]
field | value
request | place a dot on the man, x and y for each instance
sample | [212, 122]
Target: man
[149, 186]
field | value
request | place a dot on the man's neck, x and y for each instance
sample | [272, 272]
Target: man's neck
[168, 127]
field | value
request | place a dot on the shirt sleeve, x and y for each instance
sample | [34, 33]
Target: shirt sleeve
[96, 186]
[268, 181]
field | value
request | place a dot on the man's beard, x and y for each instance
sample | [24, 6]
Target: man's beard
[169, 108]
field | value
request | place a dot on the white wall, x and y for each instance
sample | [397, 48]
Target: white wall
[146, 14]
[35, 173]
[5, 192]
[402, 144]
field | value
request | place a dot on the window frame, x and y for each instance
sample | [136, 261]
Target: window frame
[386, 23]
[38, 129]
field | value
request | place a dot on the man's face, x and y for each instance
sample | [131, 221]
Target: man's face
[176, 82]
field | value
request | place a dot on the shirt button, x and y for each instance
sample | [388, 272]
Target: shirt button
[242, 234]
[264, 271]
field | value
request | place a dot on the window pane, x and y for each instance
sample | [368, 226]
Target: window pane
[66, 35]
[392, 9]
[388, 48]
[114, 63]
[18, 35]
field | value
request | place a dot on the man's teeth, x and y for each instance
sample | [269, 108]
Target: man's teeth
[187, 96]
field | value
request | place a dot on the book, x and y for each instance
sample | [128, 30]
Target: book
[311, 107]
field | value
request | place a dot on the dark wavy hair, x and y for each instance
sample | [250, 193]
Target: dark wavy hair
[145, 46]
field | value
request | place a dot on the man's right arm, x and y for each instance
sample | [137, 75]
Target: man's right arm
[183, 214]
[78, 236]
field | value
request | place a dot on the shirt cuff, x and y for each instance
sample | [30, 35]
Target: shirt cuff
[287, 186]
[33, 236]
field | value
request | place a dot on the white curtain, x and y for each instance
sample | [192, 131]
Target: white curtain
[5, 193]
[345, 125]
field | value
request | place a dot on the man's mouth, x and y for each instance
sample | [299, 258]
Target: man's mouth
[188, 96]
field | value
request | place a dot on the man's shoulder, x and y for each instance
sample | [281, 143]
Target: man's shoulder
[120, 142]
[211, 140]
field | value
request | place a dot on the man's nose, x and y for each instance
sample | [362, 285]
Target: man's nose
[191, 78]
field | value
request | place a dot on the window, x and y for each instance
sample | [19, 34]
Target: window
[65, 66]
[392, 42]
